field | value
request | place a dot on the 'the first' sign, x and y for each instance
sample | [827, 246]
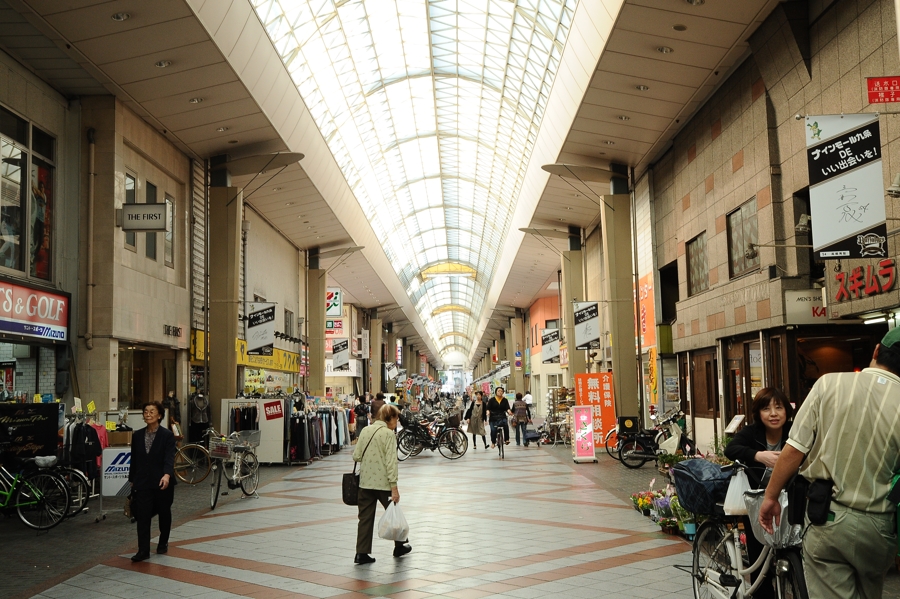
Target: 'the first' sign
[144, 217]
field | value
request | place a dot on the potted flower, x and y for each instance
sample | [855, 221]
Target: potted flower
[668, 525]
[686, 521]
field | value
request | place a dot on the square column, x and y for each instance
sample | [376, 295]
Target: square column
[375, 353]
[515, 341]
[316, 285]
[572, 291]
[617, 261]
[225, 215]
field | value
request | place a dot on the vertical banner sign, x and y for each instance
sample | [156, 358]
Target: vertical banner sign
[583, 446]
[549, 346]
[846, 189]
[587, 325]
[260, 331]
[334, 302]
[587, 393]
[340, 354]
[423, 365]
[364, 345]
[646, 318]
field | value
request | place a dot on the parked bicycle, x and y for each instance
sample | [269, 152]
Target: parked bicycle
[555, 432]
[636, 449]
[39, 496]
[235, 459]
[432, 433]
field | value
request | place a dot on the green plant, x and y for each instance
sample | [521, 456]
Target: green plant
[718, 453]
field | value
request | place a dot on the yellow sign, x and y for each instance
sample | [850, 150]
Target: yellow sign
[282, 360]
[110, 425]
[92, 407]
[198, 345]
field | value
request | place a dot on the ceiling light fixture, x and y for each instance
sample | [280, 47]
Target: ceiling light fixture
[163, 64]
[222, 129]
[195, 100]
[609, 143]
[641, 88]
[664, 50]
[679, 27]
[121, 16]
[696, 2]
[622, 117]
[232, 141]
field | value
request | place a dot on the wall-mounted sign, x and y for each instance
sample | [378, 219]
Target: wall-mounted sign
[334, 302]
[260, 330]
[587, 325]
[355, 368]
[563, 356]
[804, 306]
[284, 361]
[340, 354]
[549, 346]
[143, 217]
[33, 313]
[518, 360]
[860, 283]
[334, 327]
[883, 90]
[846, 190]
[170, 330]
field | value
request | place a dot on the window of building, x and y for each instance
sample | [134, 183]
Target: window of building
[130, 187]
[668, 291]
[554, 380]
[170, 232]
[742, 231]
[698, 268]
[288, 323]
[552, 324]
[12, 199]
[151, 237]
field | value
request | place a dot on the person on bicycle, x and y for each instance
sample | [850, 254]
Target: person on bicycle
[521, 416]
[152, 476]
[476, 416]
[758, 446]
[498, 410]
[846, 437]
[377, 480]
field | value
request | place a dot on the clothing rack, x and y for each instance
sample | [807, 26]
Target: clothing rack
[84, 419]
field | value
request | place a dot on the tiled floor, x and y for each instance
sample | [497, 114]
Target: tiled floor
[530, 526]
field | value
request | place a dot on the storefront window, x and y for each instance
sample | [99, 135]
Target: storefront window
[41, 219]
[126, 378]
[151, 237]
[12, 198]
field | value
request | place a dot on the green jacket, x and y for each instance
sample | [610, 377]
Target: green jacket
[379, 466]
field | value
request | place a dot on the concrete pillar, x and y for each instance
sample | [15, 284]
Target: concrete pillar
[572, 291]
[516, 342]
[316, 285]
[615, 220]
[376, 350]
[501, 346]
[225, 216]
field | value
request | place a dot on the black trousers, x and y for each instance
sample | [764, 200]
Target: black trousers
[368, 500]
[497, 424]
[147, 504]
[475, 441]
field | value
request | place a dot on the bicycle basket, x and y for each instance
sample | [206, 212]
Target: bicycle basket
[407, 419]
[700, 485]
[249, 438]
[785, 534]
[220, 448]
[453, 421]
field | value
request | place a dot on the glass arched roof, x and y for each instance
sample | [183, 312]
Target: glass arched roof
[431, 109]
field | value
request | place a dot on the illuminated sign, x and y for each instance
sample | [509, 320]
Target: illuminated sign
[33, 313]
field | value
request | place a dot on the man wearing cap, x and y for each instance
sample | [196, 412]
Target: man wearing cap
[848, 432]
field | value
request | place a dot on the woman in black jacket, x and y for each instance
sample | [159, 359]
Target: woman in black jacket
[758, 446]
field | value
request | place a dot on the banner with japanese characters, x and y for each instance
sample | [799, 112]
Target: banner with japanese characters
[596, 390]
[549, 346]
[846, 187]
[587, 325]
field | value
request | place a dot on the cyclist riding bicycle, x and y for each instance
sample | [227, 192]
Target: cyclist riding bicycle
[498, 409]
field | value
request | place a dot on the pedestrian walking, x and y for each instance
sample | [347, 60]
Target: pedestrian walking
[521, 417]
[476, 416]
[361, 411]
[846, 437]
[376, 404]
[377, 479]
[152, 477]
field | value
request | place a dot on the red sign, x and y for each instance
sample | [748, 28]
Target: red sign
[273, 410]
[596, 390]
[859, 284]
[33, 313]
[883, 90]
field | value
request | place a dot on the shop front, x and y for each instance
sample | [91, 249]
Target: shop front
[268, 375]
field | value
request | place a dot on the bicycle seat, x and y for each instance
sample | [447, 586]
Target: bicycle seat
[42, 461]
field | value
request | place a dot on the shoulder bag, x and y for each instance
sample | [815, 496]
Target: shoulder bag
[350, 480]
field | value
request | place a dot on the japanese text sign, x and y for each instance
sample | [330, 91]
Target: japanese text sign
[883, 90]
[584, 443]
[596, 390]
[859, 283]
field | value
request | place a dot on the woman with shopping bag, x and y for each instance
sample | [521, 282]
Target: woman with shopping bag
[758, 446]
[377, 480]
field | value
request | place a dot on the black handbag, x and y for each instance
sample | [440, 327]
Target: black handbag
[350, 481]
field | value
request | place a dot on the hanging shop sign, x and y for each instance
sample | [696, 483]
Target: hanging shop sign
[549, 346]
[563, 356]
[334, 302]
[587, 325]
[273, 410]
[391, 371]
[144, 217]
[280, 359]
[353, 368]
[33, 313]
[804, 306]
[116, 464]
[334, 327]
[845, 186]
[340, 354]
[584, 445]
[260, 329]
[364, 344]
[423, 365]
[868, 282]
[646, 318]
[883, 90]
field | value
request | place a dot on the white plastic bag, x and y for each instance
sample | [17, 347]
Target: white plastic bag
[734, 499]
[393, 526]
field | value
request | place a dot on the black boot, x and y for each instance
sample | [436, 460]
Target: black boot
[401, 548]
[363, 558]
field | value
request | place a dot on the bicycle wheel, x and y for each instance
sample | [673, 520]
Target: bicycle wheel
[215, 485]
[249, 473]
[627, 454]
[192, 464]
[42, 500]
[406, 443]
[711, 560]
[792, 584]
[612, 444]
[452, 444]
[501, 442]
[79, 489]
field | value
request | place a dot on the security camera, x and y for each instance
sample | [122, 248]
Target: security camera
[894, 190]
